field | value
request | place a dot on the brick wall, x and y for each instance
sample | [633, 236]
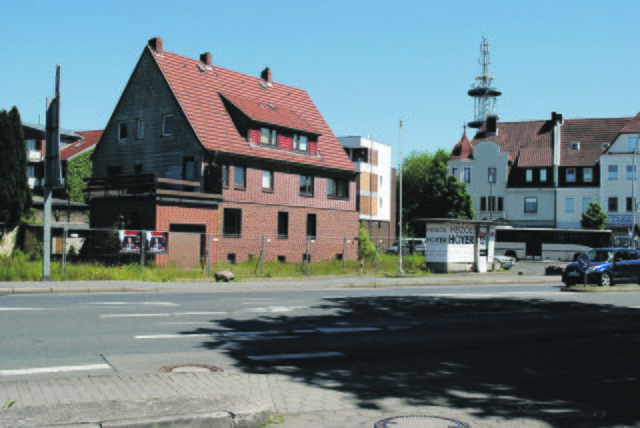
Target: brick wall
[258, 220]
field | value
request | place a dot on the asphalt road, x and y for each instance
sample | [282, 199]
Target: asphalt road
[499, 349]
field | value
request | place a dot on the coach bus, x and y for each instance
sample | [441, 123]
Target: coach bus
[549, 243]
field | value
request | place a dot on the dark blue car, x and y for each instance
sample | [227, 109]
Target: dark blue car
[608, 266]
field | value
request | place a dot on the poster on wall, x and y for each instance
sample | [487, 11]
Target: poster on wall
[157, 242]
[130, 241]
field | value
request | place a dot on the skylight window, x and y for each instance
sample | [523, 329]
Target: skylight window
[79, 144]
[574, 145]
[272, 107]
[201, 68]
[262, 84]
[605, 146]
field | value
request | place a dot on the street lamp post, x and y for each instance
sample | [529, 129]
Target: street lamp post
[632, 243]
[400, 272]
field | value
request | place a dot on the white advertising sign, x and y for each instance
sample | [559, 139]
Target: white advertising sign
[450, 242]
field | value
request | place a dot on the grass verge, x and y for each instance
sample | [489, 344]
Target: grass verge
[23, 268]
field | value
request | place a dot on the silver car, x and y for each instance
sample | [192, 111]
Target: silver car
[418, 244]
[503, 262]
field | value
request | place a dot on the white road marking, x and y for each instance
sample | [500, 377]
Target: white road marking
[58, 369]
[180, 314]
[276, 309]
[185, 323]
[171, 336]
[333, 330]
[132, 315]
[135, 303]
[21, 309]
[295, 356]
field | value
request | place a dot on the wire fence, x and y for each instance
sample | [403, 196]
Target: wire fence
[215, 251]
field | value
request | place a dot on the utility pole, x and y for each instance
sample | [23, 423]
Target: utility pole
[632, 242]
[52, 178]
[400, 244]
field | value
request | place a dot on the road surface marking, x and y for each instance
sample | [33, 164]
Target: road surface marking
[180, 314]
[58, 369]
[22, 309]
[132, 315]
[295, 356]
[135, 303]
[276, 309]
[171, 336]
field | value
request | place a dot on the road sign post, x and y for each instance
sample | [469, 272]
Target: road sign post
[583, 265]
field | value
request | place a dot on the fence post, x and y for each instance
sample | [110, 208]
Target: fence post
[307, 254]
[344, 253]
[262, 255]
[209, 255]
[64, 252]
[142, 242]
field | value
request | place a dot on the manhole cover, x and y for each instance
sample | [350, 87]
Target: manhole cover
[189, 368]
[421, 421]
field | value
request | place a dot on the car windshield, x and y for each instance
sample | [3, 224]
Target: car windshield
[600, 255]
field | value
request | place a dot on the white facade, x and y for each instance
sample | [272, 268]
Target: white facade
[381, 171]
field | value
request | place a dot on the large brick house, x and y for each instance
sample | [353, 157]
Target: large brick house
[224, 161]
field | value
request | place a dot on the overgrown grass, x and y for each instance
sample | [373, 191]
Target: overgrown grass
[21, 267]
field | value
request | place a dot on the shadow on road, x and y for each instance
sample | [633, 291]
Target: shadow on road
[570, 364]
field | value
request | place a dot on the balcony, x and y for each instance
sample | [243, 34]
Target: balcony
[149, 186]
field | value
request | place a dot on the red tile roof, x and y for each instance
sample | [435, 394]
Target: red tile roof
[89, 140]
[530, 144]
[527, 143]
[633, 126]
[270, 114]
[592, 134]
[463, 149]
[198, 91]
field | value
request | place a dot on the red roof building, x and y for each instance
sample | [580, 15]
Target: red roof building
[546, 172]
[232, 156]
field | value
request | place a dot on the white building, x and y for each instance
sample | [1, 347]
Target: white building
[545, 173]
[376, 186]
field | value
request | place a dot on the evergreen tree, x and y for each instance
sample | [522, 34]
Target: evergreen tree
[15, 196]
[594, 217]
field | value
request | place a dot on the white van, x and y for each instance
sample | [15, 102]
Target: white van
[418, 244]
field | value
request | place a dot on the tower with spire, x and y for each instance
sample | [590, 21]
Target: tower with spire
[483, 93]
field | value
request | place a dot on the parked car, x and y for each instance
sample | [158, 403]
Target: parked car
[419, 246]
[608, 266]
[503, 262]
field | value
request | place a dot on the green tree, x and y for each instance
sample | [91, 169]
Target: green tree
[15, 196]
[78, 168]
[594, 217]
[428, 191]
[366, 248]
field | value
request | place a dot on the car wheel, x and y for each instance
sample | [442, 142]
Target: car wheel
[605, 279]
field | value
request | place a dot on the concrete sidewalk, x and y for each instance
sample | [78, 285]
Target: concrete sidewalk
[219, 400]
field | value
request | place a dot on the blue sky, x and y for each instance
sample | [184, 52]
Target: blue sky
[366, 64]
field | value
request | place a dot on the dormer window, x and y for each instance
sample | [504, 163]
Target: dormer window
[268, 137]
[300, 142]
[574, 145]
[605, 146]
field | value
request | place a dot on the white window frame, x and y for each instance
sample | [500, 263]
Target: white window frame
[587, 178]
[529, 176]
[571, 180]
[543, 175]
[467, 175]
[612, 173]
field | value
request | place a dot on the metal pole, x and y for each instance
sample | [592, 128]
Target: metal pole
[344, 253]
[400, 272]
[143, 238]
[377, 251]
[262, 256]
[307, 254]
[64, 252]
[632, 243]
[208, 255]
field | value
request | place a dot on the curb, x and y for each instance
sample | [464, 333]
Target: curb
[236, 412]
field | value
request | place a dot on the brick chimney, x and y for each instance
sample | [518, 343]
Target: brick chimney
[266, 74]
[156, 44]
[206, 58]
